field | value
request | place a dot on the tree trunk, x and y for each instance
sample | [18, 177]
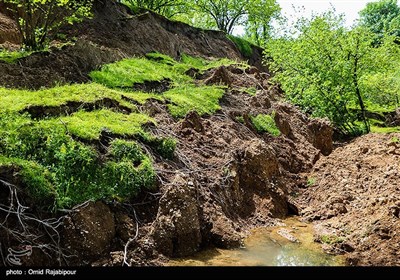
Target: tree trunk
[358, 93]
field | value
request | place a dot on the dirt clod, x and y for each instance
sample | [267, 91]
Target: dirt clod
[177, 230]
[89, 230]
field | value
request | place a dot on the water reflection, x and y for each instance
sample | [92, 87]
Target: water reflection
[266, 247]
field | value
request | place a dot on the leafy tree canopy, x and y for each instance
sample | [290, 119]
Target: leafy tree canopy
[327, 69]
[381, 17]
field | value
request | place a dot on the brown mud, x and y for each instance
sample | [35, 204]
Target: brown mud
[354, 200]
[225, 178]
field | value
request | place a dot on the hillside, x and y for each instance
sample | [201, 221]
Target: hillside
[147, 139]
[113, 34]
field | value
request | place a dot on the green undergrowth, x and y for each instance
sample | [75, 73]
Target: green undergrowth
[378, 129]
[376, 114]
[12, 56]
[265, 123]
[379, 126]
[96, 152]
[243, 45]
[184, 95]
[90, 125]
[55, 164]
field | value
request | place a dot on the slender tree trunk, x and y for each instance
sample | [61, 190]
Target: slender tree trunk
[358, 93]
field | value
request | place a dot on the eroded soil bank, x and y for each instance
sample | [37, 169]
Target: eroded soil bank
[225, 177]
[353, 199]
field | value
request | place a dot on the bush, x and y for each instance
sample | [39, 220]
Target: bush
[124, 180]
[126, 150]
[165, 147]
[37, 18]
[56, 167]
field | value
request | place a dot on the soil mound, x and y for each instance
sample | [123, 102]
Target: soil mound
[8, 31]
[354, 200]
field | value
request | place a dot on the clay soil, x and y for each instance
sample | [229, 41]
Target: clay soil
[225, 178]
[356, 199]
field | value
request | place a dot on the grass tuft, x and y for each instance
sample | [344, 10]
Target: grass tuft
[265, 123]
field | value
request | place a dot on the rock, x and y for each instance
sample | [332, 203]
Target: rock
[283, 125]
[89, 230]
[253, 171]
[257, 165]
[285, 233]
[176, 230]
[346, 247]
[223, 234]
[125, 226]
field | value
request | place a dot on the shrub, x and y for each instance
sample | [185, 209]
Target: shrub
[126, 150]
[37, 18]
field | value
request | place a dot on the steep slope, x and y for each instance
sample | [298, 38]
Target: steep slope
[159, 157]
[229, 172]
[115, 33]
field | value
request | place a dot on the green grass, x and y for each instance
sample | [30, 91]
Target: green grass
[311, 181]
[240, 119]
[157, 67]
[162, 58]
[12, 56]
[125, 73]
[331, 239]
[204, 99]
[17, 100]
[265, 123]
[244, 46]
[377, 129]
[57, 158]
[202, 64]
[395, 140]
[184, 96]
[378, 126]
[89, 125]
